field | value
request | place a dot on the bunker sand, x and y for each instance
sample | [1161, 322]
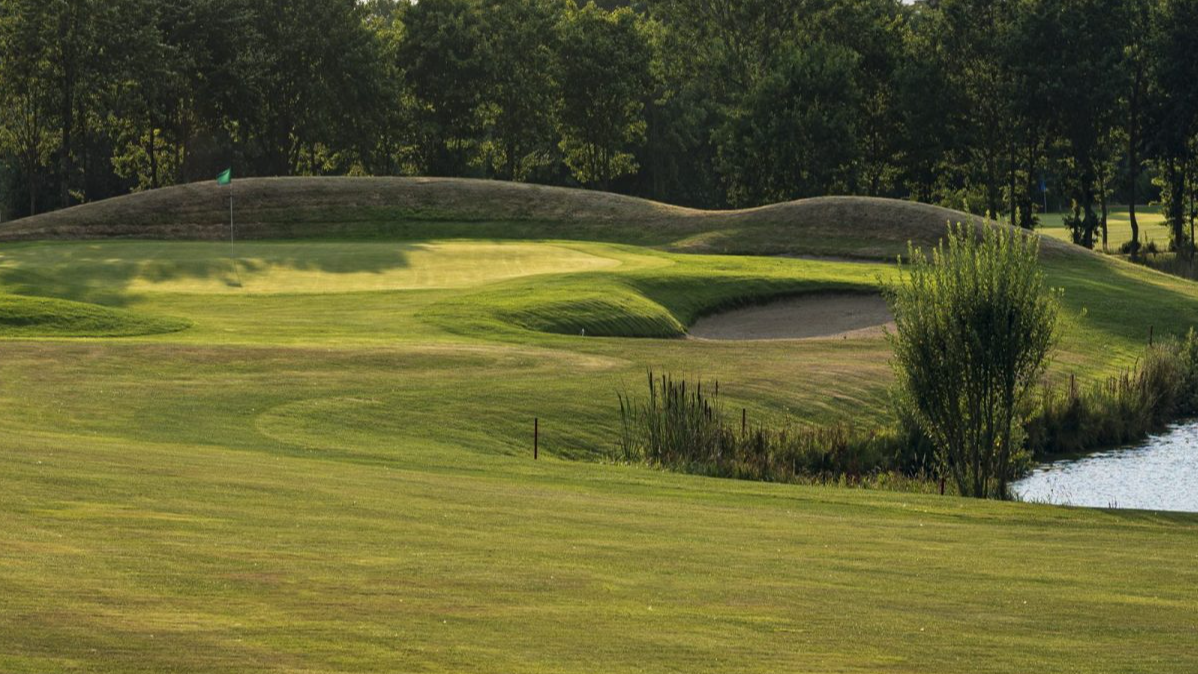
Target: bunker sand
[836, 315]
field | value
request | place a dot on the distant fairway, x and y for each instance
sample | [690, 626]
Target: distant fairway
[1149, 218]
[329, 469]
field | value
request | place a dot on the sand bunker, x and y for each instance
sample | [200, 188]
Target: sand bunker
[837, 315]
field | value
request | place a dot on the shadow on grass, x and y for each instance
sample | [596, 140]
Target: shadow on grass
[102, 273]
[1166, 518]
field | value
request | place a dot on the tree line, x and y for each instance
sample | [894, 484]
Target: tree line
[994, 106]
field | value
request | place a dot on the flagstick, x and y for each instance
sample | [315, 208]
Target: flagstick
[232, 253]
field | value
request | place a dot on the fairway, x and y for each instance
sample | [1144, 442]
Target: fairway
[329, 468]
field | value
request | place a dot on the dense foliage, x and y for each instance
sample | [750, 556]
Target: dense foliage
[975, 324]
[994, 106]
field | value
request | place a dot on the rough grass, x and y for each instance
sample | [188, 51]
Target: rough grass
[446, 208]
[338, 478]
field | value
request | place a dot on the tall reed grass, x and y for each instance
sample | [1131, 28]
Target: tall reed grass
[682, 425]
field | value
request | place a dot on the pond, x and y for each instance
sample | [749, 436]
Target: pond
[1159, 474]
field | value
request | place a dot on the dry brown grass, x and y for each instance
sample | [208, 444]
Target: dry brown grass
[283, 208]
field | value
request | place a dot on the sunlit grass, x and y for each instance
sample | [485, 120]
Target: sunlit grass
[324, 475]
[1149, 219]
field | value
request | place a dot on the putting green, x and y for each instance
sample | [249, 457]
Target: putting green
[286, 267]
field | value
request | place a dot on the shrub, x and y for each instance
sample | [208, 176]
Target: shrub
[1129, 247]
[1187, 394]
[975, 327]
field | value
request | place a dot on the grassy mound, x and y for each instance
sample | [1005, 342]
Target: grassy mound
[47, 317]
[443, 208]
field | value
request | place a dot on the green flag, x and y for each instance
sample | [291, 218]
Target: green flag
[225, 178]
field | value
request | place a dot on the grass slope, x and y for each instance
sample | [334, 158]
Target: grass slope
[330, 472]
[46, 317]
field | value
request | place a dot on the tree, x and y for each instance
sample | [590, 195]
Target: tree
[710, 54]
[149, 89]
[26, 92]
[522, 89]
[923, 93]
[795, 135]
[733, 41]
[1136, 52]
[1173, 72]
[973, 33]
[1031, 49]
[446, 66]
[313, 77]
[1086, 109]
[391, 149]
[874, 31]
[975, 328]
[677, 159]
[606, 78]
[214, 78]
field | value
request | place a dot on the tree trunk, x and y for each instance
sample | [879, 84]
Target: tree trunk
[1175, 208]
[1189, 180]
[85, 150]
[153, 156]
[1133, 162]
[67, 102]
[1102, 204]
[992, 190]
[1026, 220]
[1088, 218]
[1011, 154]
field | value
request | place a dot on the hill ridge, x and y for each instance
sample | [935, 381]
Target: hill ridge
[427, 207]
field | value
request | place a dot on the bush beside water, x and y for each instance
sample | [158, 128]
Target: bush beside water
[1163, 387]
[683, 426]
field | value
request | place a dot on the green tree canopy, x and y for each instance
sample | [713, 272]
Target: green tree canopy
[796, 133]
[605, 81]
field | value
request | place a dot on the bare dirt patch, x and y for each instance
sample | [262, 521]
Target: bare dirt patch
[831, 315]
